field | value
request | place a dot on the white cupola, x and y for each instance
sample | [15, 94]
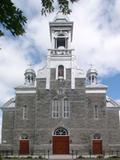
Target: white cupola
[92, 75]
[30, 76]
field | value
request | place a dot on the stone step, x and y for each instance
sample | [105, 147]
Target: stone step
[60, 157]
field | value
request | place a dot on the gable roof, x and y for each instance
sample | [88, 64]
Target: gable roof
[111, 103]
[9, 104]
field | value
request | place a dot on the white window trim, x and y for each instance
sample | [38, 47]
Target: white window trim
[64, 77]
[61, 132]
[25, 112]
[55, 111]
[63, 109]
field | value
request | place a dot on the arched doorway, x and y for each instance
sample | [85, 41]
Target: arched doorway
[24, 144]
[97, 144]
[60, 141]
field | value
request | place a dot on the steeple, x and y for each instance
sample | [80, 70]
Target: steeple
[60, 54]
[61, 60]
[30, 76]
[92, 75]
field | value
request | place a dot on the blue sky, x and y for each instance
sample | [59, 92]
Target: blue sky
[96, 40]
[113, 82]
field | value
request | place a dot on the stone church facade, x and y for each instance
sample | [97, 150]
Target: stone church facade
[61, 109]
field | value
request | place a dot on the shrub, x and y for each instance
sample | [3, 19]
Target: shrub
[114, 157]
[100, 157]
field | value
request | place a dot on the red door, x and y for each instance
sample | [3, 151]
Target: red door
[97, 146]
[24, 146]
[60, 144]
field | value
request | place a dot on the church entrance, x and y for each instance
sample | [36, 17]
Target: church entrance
[24, 145]
[61, 141]
[97, 146]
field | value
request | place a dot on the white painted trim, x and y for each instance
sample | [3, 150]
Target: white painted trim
[20, 92]
[25, 112]
[48, 79]
[68, 109]
[57, 72]
[54, 111]
[64, 73]
[95, 91]
[59, 127]
[96, 112]
[73, 78]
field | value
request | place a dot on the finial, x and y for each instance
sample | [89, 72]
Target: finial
[91, 65]
[30, 65]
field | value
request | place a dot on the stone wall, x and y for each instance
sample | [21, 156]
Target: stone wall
[7, 126]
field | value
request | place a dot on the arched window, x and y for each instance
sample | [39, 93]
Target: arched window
[24, 112]
[55, 108]
[29, 78]
[32, 78]
[61, 131]
[97, 136]
[96, 112]
[66, 108]
[60, 71]
[24, 136]
[93, 78]
[60, 41]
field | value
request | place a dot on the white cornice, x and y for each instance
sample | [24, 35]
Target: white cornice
[96, 91]
[25, 91]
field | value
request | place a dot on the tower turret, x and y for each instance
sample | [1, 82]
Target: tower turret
[92, 75]
[30, 76]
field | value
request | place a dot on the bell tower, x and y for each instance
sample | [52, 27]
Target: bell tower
[61, 60]
[61, 32]
[60, 55]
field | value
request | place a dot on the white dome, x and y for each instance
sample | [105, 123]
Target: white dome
[30, 70]
[92, 70]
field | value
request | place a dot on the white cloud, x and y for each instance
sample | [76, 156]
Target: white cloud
[94, 37]
[97, 39]
[118, 101]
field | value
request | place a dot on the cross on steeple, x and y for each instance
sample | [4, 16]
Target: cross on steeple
[30, 64]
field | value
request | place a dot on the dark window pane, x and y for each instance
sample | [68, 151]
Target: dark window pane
[60, 42]
[61, 71]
